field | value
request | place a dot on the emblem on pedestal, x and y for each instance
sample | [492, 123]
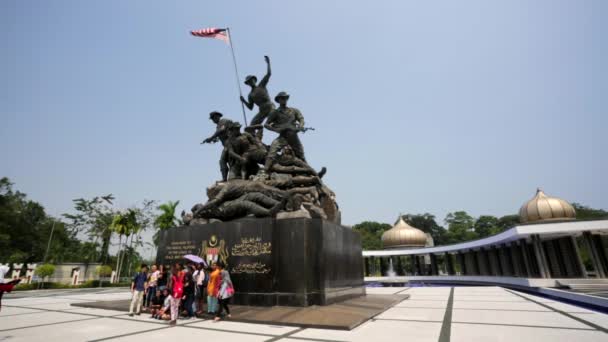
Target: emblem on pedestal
[214, 250]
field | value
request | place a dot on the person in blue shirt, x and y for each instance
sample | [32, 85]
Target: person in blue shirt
[138, 286]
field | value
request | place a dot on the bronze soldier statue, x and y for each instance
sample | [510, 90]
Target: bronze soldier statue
[287, 122]
[221, 134]
[259, 96]
[287, 162]
[253, 203]
[245, 152]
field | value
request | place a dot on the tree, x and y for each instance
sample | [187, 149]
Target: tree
[460, 227]
[25, 229]
[94, 217]
[583, 212]
[124, 224]
[507, 222]
[426, 222]
[371, 234]
[166, 219]
[104, 270]
[486, 225]
[44, 271]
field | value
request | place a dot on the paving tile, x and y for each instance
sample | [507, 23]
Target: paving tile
[384, 290]
[525, 306]
[416, 314]
[569, 308]
[596, 318]
[378, 331]
[9, 311]
[191, 334]
[543, 319]
[52, 306]
[20, 321]
[274, 330]
[76, 331]
[422, 303]
[489, 298]
[497, 333]
[146, 318]
[98, 312]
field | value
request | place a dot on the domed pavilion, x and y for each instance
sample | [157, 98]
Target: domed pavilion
[543, 208]
[402, 235]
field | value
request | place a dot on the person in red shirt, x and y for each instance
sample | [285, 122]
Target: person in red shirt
[6, 287]
[177, 283]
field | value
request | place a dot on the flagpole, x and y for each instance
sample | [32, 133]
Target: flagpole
[236, 72]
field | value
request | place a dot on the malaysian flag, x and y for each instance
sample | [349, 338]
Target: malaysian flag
[212, 32]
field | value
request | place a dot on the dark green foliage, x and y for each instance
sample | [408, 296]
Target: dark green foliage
[371, 234]
[486, 225]
[507, 222]
[585, 213]
[25, 229]
[460, 227]
[166, 219]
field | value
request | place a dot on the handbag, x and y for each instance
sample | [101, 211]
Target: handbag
[230, 290]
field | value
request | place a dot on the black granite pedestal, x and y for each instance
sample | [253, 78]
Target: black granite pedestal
[293, 262]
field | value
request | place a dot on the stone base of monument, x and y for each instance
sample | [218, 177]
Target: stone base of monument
[345, 315]
[287, 262]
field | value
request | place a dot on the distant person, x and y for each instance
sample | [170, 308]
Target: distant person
[138, 286]
[163, 277]
[8, 286]
[165, 311]
[200, 294]
[224, 293]
[152, 285]
[177, 285]
[189, 289]
[212, 289]
[157, 301]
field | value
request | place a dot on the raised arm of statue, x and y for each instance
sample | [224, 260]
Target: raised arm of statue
[266, 78]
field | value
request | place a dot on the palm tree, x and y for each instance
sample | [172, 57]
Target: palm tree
[166, 219]
[124, 224]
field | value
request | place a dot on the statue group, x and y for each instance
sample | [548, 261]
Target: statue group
[260, 180]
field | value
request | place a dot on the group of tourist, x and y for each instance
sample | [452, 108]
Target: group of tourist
[182, 291]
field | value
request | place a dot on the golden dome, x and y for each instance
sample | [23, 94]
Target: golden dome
[545, 208]
[403, 235]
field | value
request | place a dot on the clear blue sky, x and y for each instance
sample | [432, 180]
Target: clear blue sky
[420, 106]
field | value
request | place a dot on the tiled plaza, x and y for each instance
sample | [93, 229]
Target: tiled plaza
[431, 314]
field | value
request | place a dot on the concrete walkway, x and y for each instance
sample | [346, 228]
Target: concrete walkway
[431, 314]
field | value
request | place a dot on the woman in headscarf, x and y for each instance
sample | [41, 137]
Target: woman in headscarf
[224, 293]
[6, 287]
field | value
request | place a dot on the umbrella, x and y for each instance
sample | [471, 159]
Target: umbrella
[194, 258]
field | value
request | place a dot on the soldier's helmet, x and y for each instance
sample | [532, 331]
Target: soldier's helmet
[214, 114]
[235, 126]
[249, 78]
[281, 95]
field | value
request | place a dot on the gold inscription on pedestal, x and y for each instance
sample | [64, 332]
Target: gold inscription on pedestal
[252, 268]
[177, 249]
[251, 247]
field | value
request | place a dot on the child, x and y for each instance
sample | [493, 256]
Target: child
[165, 312]
[156, 303]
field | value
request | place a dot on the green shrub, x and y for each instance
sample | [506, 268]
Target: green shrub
[45, 270]
[104, 270]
